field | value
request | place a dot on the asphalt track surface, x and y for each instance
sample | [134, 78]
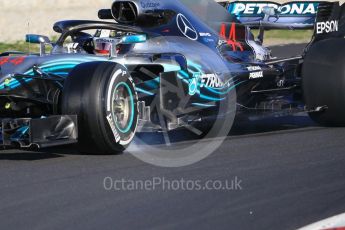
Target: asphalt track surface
[292, 174]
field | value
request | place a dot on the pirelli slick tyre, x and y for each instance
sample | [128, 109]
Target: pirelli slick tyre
[103, 96]
[324, 82]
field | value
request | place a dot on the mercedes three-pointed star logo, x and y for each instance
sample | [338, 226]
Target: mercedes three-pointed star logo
[186, 28]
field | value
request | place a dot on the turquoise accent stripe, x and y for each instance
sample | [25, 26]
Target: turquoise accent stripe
[46, 68]
[184, 80]
[184, 73]
[211, 98]
[50, 69]
[203, 105]
[125, 130]
[195, 65]
[58, 64]
[144, 91]
[152, 84]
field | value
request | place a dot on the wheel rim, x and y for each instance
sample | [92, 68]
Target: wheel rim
[123, 107]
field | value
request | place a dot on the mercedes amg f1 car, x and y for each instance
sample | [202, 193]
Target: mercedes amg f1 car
[164, 65]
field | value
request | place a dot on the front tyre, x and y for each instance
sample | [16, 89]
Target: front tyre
[103, 96]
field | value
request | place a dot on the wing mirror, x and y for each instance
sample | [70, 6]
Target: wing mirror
[39, 39]
[132, 39]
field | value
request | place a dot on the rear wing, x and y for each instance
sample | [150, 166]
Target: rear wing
[291, 15]
[330, 21]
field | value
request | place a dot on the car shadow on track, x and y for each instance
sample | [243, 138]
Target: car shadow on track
[242, 128]
[271, 125]
[28, 156]
[38, 154]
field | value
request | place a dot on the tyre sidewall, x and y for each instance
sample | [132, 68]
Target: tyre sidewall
[88, 98]
[118, 77]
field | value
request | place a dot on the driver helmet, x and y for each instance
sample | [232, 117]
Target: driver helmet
[102, 46]
[104, 41]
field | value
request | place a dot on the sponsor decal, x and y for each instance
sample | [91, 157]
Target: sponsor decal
[211, 81]
[256, 75]
[104, 40]
[206, 81]
[231, 39]
[254, 68]
[186, 27]
[208, 40]
[327, 27]
[205, 34]
[193, 84]
[113, 127]
[149, 4]
[281, 83]
[255, 72]
[288, 9]
[193, 87]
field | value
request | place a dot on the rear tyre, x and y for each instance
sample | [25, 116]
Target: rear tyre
[103, 96]
[324, 82]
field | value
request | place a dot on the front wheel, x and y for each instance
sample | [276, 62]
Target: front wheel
[104, 98]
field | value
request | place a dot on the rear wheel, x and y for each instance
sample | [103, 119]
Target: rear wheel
[324, 82]
[103, 96]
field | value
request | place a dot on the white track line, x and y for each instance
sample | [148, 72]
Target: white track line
[330, 223]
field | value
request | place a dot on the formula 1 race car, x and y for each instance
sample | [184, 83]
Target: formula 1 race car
[164, 65]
